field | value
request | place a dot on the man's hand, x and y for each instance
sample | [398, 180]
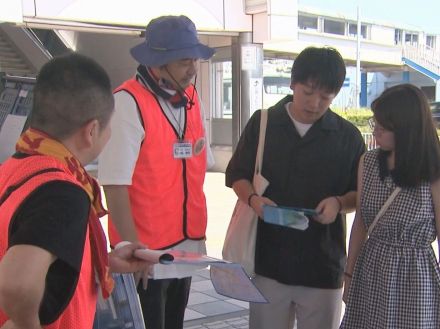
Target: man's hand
[327, 210]
[142, 275]
[257, 202]
[122, 259]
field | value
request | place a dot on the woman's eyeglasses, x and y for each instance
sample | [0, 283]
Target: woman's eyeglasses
[372, 123]
[375, 127]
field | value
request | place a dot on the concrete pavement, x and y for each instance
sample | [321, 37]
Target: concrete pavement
[206, 308]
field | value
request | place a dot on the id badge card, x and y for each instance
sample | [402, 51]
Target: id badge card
[182, 150]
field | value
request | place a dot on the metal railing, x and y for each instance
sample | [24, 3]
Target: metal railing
[370, 141]
[423, 55]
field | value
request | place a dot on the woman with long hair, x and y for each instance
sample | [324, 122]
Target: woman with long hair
[392, 278]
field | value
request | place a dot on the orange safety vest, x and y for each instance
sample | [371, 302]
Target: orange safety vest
[166, 196]
[27, 175]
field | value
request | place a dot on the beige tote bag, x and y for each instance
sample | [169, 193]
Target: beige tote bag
[239, 245]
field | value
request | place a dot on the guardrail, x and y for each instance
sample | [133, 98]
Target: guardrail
[369, 140]
[423, 55]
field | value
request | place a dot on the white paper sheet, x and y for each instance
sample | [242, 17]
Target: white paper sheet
[229, 279]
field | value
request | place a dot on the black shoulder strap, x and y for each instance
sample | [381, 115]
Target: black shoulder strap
[13, 188]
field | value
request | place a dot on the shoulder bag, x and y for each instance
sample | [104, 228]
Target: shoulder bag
[239, 244]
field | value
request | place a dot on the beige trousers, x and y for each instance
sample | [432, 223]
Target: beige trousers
[312, 308]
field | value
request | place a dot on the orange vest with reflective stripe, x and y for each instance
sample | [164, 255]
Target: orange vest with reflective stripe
[27, 175]
[166, 196]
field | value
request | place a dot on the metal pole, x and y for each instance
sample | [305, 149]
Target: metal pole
[358, 59]
[236, 92]
[247, 80]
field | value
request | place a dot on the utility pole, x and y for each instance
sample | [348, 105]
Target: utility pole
[358, 59]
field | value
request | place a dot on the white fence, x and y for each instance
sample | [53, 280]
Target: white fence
[370, 141]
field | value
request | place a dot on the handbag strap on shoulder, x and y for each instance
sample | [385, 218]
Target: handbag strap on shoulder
[383, 209]
[261, 140]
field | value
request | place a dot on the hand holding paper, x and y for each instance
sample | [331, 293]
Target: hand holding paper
[176, 257]
[288, 216]
[154, 256]
[229, 279]
[125, 254]
[123, 258]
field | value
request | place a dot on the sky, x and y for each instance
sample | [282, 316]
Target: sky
[422, 14]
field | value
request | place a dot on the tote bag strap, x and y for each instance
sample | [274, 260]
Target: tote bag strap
[261, 140]
[383, 209]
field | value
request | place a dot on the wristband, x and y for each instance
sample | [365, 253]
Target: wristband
[250, 198]
[339, 203]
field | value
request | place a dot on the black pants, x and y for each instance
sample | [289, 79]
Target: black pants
[164, 302]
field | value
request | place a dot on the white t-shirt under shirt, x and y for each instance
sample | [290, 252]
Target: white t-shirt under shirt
[301, 128]
[127, 136]
[117, 169]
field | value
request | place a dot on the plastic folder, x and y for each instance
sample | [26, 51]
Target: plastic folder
[122, 309]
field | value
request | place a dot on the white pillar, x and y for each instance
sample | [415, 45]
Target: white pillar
[437, 91]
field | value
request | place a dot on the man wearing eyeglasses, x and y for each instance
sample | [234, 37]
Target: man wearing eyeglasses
[153, 167]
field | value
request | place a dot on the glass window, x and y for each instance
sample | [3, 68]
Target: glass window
[411, 38]
[308, 22]
[223, 89]
[430, 41]
[276, 80]
[352, 30]
[334, 27]
[397, 36]
[276, 85]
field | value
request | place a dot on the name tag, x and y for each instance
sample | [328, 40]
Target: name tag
[182, 150]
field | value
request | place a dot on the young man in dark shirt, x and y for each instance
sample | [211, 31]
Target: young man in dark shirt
[53, 252]
[310, 160]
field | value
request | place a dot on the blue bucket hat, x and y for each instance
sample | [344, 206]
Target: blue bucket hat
[170, 38]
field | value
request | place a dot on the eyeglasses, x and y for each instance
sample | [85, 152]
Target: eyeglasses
[372, 123]
[375, 127]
